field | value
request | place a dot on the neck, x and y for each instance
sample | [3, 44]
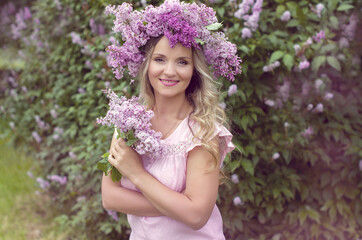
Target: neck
[175, 107]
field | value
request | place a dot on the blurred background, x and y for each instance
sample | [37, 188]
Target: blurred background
[295, 113]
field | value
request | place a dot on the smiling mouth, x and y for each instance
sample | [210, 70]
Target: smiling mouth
[168, 82]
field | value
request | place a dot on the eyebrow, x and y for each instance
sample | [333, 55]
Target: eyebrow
[161, 55]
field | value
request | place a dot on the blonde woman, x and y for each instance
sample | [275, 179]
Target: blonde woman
[173, 196]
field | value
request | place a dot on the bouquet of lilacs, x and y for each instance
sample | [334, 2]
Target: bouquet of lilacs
[132, 122]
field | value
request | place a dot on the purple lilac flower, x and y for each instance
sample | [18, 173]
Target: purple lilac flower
[101, 30]
[58, 5]
[235, 178]
[25, 90]
[127, 114]
[59, 130]
[237, 201]
[318, 83]
[181, 23]
[310, 107]
[20, 18]
[328, 96]
[267, 69]
[72, 155]
[12, 82]
[309, 41]
[222, 105]
[308, 132]
[296, 48]
[81, 199]
[271, 67]
[246, 33]
[286, 124]
[285, 17]
[30, 174]
[107, 84]
[319, 36]
[88, 64]
[269, 102]
[144, 3]
[62, 180]
[76, 38]
[93, 25]
[304, 65]
[113, 214]
[41, 124]
[12, 125]
[319, 9]
[42, 183]
[232, 89]
[53, 113]
[36, 136]
[13, 93]
[6, 11]
[319, 108]
[276, 156]
[283, 90]
[349, 30]
[81, 90]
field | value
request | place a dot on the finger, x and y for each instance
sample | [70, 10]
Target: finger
[115, 148]
[121, 142]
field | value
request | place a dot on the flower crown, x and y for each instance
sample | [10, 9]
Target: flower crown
[191, 25]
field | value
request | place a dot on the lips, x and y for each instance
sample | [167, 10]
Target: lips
[168, 82]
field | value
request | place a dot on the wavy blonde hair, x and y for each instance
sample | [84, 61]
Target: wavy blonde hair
[202, 93]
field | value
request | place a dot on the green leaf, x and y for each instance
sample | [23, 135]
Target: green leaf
[332, 61]
[199, 41]
[116, 176]
[344, 7]
[288, 61]
[244, 122]
[103, 165]
[325, 179]
[280, 10]
[302, 216]
[275, 56]
[317, 62]
[314, 215]
[214, 26]
[293, 23]
[247, 166]
[106, 155]
[334, 22]
[221, 11]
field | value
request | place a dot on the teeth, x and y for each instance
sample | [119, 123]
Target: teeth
[166, 81]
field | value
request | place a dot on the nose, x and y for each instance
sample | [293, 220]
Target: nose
[169, 69]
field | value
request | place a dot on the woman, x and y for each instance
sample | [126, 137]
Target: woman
[173, 196]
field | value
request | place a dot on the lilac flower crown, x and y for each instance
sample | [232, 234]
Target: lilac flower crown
[191, 25]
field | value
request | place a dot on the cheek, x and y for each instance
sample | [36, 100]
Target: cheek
[187, 73]
[154, 70]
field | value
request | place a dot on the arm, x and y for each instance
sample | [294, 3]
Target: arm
[195, 205]
[120, 199]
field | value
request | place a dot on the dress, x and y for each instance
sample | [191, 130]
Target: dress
[170, 169]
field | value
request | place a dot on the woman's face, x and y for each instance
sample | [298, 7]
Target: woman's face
[170, 69]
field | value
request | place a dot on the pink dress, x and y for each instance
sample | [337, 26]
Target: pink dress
[170, 169]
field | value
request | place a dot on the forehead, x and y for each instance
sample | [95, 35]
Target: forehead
[163, 47]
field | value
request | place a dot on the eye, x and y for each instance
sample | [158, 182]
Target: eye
[183, 62]
[158, 59]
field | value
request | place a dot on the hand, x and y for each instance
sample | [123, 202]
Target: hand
[126, 160]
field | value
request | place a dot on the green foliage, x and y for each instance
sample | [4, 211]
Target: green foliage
[300, 148]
